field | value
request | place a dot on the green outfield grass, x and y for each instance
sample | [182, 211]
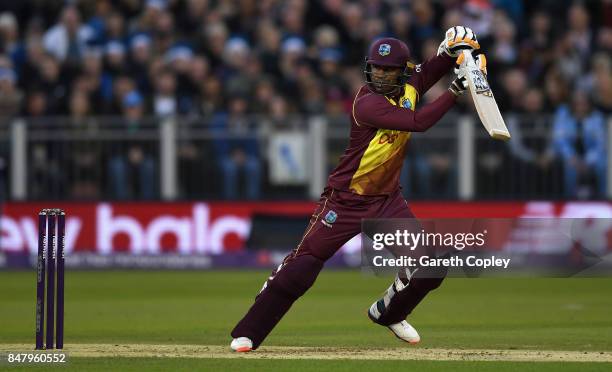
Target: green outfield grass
[145, 307]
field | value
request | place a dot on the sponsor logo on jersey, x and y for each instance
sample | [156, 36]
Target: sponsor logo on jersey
[387, 138]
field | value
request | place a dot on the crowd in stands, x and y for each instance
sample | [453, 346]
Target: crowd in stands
[222, 60]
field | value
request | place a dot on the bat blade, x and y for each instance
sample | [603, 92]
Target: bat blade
[483, 98]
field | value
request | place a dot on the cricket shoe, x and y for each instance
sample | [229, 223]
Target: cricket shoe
[242, 344]
[402, 330]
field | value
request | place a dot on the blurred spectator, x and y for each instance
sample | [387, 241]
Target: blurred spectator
[504, 51]
[429, 171]
[28, 71]
[216, 36]
[514, 85]
[373, 28]
[352, 31]
[292, 18]
[132, 167]
[10, 95]
[325, 37]
[278, 117]
[604, 39]
[535, 53]
[191, 15]
[10, 44]
[269, 42]
[139, 58]
[164, 98]
[451, 18]
[181, 61]
[557, 89]
[115, 61]
[580, 141]
[601, 82]
[236, 150]
[85, 152]
[36, 104]
[580, 35]
[150, 14]
[67, 39]
[212, 99]
[424, 25]
[478, 14]
[163, 32]
[121, 86]
[114, 27]
[400, 25]
[532, 149]
[237, 56]
[50, 81]
[199, 70]
[263, 92]
[330, 72]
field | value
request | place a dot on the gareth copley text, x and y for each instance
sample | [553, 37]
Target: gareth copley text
[427, 261]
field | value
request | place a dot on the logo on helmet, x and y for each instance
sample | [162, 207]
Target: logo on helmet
[384, 49]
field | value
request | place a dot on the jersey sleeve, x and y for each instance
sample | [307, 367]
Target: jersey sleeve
[375, 110]
[429, 72]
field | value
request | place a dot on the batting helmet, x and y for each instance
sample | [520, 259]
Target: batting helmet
[389, 52]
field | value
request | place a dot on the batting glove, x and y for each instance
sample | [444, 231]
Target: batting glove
[460, 84]
[481, 62]
[457, 39]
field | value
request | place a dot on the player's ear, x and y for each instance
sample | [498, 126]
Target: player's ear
[409, 69]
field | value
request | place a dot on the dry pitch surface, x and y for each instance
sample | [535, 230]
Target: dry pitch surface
[327, 353]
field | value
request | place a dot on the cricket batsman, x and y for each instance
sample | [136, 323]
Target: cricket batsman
[365, 184]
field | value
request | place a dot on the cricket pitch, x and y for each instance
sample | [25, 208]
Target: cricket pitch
[323, 353]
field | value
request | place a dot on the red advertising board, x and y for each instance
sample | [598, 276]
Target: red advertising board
[217, 227]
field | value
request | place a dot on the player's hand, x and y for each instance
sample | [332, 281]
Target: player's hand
[458, 38]
[459, 85]
[481, 62]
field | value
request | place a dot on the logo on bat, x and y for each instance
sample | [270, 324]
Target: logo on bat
[480, 83]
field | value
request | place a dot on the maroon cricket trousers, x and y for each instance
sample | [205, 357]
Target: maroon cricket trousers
[336, 219]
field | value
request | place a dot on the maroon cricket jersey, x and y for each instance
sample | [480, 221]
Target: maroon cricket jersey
[381, 127]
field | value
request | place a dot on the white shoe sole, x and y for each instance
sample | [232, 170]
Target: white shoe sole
[374, 320]
[241, 345]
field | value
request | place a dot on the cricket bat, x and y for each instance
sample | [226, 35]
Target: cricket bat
[481, 93]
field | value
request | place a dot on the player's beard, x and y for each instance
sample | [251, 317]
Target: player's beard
[384, 86]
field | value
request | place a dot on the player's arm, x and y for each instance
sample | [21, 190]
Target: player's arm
[429, 72]
[456, 39]
[374, 110]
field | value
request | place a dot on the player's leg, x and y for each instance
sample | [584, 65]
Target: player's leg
[408, 289]
[330, 227]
